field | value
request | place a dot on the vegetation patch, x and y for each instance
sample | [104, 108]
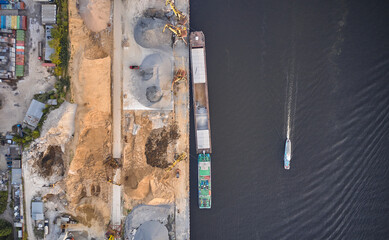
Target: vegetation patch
[59, 93]
[5, 229]
[3, 201]
[60, 41]
[61, 56]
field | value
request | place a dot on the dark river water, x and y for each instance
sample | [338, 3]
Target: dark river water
[320, 69]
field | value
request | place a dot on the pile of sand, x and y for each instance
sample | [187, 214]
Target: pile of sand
[95, 13]
[57, 130]
[86, 183]
[59, 125]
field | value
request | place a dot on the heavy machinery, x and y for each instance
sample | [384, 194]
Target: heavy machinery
[179, 75]
[113, 182]
[180, 32]
[51, 185]
[179, 159]
[112, 162]
[68, 236]
[114, 232]
[182, 19]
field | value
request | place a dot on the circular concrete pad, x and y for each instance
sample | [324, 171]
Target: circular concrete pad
[154, 94]
[148, 33]
[152, 230]
[152, 84]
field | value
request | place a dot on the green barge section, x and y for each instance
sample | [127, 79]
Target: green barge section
[204, 160]
[201, 117]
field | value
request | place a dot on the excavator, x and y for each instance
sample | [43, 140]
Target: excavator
[182, 19]
[180, 75]
[112, 162]
[181, 157]
[113, 182]
[180, 32]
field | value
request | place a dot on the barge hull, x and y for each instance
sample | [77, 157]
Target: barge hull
[200, 93]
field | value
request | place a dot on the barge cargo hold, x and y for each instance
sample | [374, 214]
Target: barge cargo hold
[200, 92]
[201, 117]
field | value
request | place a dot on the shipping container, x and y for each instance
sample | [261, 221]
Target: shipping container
[13, 22]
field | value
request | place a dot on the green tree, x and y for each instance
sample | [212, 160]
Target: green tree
[5, 228]
[17, 139]
[35, 134]
[28, 138]
[27, 131]
[3, 201]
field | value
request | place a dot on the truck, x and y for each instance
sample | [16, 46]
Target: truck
[46, 228]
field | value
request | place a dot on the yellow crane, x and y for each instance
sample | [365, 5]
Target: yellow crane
[179, 159]
[182, 19]
[180, 32]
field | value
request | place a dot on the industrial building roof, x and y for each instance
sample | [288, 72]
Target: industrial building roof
[13, 152]
[34, 114]
[203, 139]
[16, 176]
[52, 102]
[49, 14]
[37, 211]
[198, 65]
[48, 49]
[15, 164]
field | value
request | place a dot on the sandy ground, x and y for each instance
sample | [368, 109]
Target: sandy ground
[58, 130]
[146, 139]
[95, 13]
[86, 183]
[82, 135]
[147, 127]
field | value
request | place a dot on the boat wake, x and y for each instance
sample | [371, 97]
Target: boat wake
[290, 100]
[289, 107]
[291, 88]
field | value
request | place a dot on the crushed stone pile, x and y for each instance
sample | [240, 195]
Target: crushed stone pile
[151, 230]
[147, 222]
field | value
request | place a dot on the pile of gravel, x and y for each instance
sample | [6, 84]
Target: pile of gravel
[152, 230]
[147, 222]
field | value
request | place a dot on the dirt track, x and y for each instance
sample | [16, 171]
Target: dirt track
[116, 208]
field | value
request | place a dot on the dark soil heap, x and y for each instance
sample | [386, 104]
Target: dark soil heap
[51, 161]
[157, 144]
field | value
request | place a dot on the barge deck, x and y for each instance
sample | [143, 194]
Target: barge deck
[201, 117]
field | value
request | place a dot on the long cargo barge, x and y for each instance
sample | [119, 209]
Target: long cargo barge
[201, 117]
